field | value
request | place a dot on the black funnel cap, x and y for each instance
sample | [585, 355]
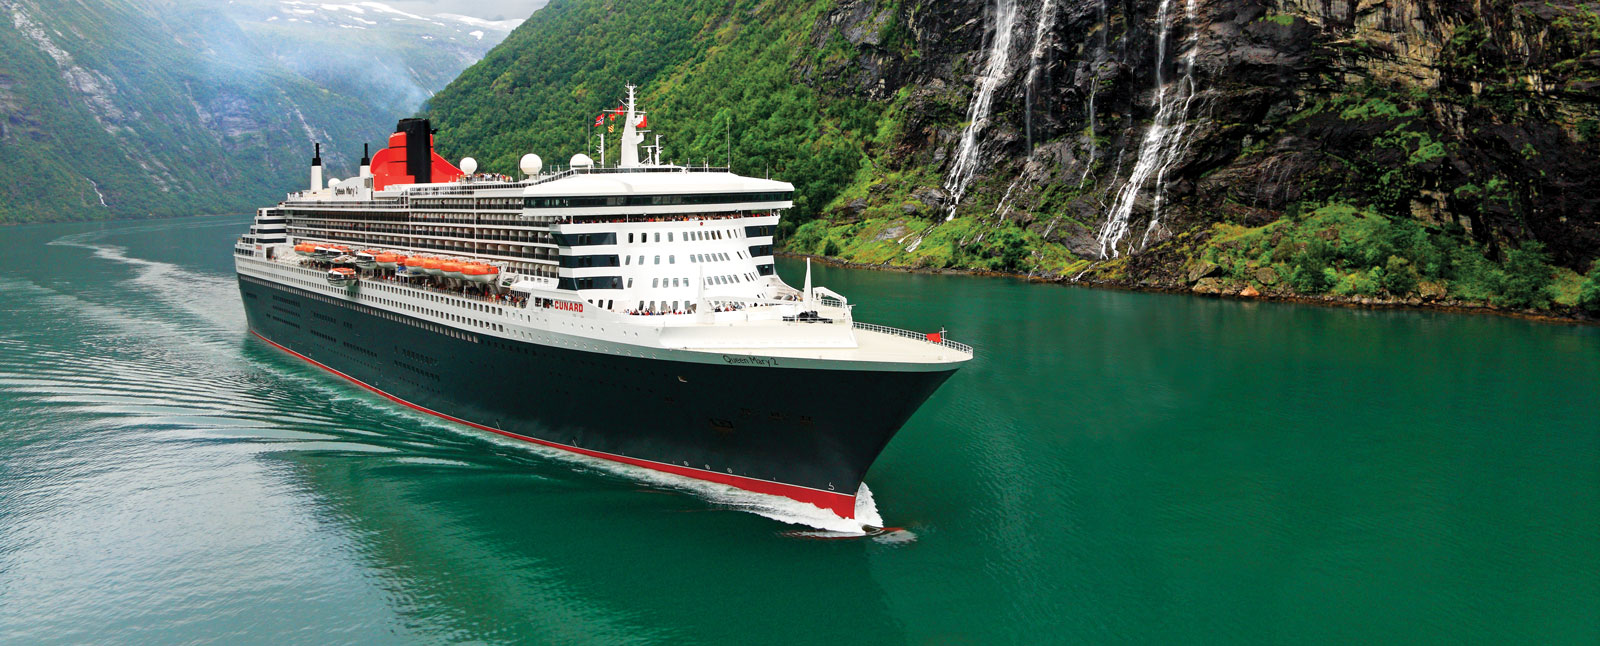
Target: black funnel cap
[419, 149]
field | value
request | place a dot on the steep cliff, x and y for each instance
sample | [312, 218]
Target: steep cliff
[1400, 150]
[133, 108]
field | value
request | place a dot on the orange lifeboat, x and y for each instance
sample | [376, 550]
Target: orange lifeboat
[305, 248]
[389, 260]
[479, 273]
[450, 269]
[430, 266]
[413, 265]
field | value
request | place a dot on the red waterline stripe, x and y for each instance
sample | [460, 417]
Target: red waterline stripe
[841, 504]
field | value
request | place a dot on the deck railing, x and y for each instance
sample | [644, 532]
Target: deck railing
[920, 336]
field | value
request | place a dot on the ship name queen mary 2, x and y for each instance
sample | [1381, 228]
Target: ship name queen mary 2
[628, 312]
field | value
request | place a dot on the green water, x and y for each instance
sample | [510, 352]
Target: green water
[1113, 467]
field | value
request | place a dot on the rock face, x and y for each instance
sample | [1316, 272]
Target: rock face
[1472, 114]
[1293, 145]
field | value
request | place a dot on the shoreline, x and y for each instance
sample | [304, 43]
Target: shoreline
[1452, 307]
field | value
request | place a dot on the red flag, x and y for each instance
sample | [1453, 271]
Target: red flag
[622, 108]
[600, 119]
[641, 122]
[935, 337]
[613, 116]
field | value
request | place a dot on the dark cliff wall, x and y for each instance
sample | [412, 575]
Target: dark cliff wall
[1436, 150]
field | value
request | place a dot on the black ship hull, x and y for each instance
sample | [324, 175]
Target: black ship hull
[805, 434]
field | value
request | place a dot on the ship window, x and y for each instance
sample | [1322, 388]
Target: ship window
[669, 236]
[658, 236]
[658, 260]
[630, 237]
[630, 283]
[627, 260]
[671, 260]
[674, 306]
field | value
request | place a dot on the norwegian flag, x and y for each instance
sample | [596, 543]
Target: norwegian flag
[600, 119]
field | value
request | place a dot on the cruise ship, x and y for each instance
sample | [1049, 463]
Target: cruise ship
[628, 312]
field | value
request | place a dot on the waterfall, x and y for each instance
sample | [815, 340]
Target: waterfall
[1047, 19]
[1094, 88]
[994, 72]
[1163, 140]
[97, 193]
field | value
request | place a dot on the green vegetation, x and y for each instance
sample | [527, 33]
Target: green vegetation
[718, 78]
[1347, 251]
[1588, 297]
[963, 243]
[1384, 188]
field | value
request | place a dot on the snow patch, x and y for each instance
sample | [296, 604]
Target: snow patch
[380, 7]
[496, 25]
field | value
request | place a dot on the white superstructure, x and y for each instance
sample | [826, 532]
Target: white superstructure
[643, 259]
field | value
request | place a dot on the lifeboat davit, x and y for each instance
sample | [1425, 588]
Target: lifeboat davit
[430, 266]
[480, 273]
[389, 260]
[341, 276]
[450, 269]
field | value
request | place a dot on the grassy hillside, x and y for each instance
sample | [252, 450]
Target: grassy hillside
[710, 72]
[1444, 158]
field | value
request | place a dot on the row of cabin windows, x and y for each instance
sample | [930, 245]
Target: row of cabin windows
[628, 260]
[756, 251]
[655, 200]
[584, 239]
[711, 281]
[589, 261]
[688, 236]
[590, 282]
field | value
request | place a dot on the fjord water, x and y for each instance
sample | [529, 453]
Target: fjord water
[1113, 467]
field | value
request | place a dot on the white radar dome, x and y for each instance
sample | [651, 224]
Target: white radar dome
[531, 164]
[332, 181]
[581, 160]
[469, 165]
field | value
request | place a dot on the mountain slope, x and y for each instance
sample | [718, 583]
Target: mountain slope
[1407, 150]
[142, 108]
